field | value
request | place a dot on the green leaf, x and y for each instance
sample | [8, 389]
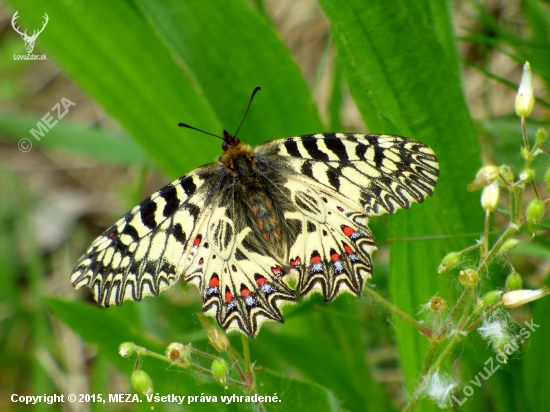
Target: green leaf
[228, 62]
[325, 344]
[403, 75]
[537, 358]
[107, 329]
[294, 395]
[122, 64]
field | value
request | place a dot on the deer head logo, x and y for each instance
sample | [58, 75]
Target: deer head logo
[29, 40]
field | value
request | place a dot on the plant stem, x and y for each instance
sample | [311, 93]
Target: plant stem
[395, 310]
[486, 232]
[513, 206]
[474, 324]
[524, 132]
[247, 364]
[488, 257]
[430, 355]
[450, 346]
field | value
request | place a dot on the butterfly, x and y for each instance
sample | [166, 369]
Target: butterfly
[241, 228]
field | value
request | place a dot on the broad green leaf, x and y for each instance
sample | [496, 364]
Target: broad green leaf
[107, 329]
[534, 379]
[293, 395]
[229, 48]
[402, 73]
[324, 343]
[122, 64]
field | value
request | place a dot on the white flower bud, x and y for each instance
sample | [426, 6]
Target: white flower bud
[485, 176]
[525, 100]
[490, 196]
[517, 298]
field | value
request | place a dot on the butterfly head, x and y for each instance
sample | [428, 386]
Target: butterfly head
[229, 141]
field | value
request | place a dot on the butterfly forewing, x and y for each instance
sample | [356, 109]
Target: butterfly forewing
[239, 228]
[381, 173]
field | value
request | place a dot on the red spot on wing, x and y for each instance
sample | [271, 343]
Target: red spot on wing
[197, 240]
[348, 231]
[296, 262]
[244, 291]
[333, 255]
[201, 261]
[340, 208]
[260, 280]
[111, 235]
[214, 281]
[228, 296]
[315, 258]
[349, 250]
[277, 270]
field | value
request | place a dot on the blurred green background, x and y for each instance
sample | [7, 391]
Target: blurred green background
[444, 73]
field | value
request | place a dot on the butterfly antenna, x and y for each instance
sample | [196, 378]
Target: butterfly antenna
[256, 90]
[199, 130]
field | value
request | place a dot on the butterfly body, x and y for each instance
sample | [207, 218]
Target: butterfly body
[240, 227]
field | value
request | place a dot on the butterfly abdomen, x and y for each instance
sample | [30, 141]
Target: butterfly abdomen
[244, 169]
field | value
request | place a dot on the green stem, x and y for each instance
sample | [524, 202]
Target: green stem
[395, 310]
[486, 232]
[430, 355]
[470, 248]
[473, 325]
[524, 132]
[513, 206]
[247, 363]
[426, 377]
[510, 230]
[141, 351]
[459, 303]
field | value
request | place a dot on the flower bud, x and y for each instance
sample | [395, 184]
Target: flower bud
[525, 99]
[506, 172]
[541, 135]
[508, 246]
[468, 277]
[525, 153]
[219, 370]
[513, 281]
[485, 176]
[521, 297]
[142, 383]
[217, 338]
[179, 353]
[547, 181]
[437, 305]
[449, 261]
[527, 175]
[126, 349]
[534, 214]
[490, 299]
[489, 197]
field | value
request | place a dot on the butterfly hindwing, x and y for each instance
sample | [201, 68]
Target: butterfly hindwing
[239, 287]
[333, 251]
